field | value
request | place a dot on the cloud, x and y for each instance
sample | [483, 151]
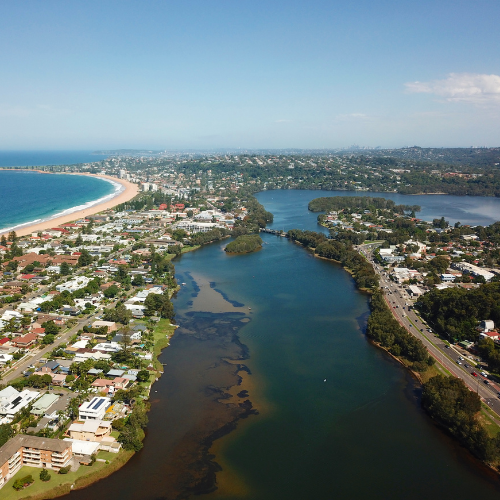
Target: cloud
[461, 87]
[282, 121]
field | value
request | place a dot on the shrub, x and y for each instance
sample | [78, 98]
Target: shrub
[44, 475]
[22, 482]
[64, 470]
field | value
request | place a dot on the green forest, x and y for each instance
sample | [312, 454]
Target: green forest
[449, 401]
[384, 329]
[456, 312]
[358, 203]
[341, 251]
[245, 243]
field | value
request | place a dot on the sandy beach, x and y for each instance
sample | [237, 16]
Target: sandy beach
[130, 190]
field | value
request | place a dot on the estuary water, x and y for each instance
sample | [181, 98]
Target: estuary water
[319, 413]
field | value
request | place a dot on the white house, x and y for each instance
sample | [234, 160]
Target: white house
[94, 409]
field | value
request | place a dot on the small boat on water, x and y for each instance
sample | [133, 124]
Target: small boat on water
[183, 284]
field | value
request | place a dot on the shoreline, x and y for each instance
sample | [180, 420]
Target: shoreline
[126, 192]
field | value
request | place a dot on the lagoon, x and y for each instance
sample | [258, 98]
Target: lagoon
[337, 417]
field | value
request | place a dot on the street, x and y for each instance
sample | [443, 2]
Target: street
[457, 363]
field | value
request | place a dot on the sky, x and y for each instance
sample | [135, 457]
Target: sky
[210, 74]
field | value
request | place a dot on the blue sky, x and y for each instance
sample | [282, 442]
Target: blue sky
[250, 74]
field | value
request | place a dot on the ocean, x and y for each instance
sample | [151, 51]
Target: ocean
[33, 197]
[40, 158]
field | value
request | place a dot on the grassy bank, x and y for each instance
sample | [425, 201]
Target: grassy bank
[61, 484]
[162, 334]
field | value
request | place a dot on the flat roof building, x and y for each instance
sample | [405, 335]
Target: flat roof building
[94, 409]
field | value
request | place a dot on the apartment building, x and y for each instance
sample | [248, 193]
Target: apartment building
[32, 451]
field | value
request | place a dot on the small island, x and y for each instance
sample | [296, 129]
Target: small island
[245, 243]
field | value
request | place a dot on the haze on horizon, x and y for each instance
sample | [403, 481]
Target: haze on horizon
[229, 74]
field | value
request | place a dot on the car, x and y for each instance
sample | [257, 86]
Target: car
[459, 362]
[474, 373]
[447, 346]
[466, 365]
[486, 381]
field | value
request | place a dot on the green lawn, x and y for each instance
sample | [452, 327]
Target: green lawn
[39, 487]
[162, 333]
[61, 483]
[106, 455]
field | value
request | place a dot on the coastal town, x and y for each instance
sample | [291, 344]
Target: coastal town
[86, 300]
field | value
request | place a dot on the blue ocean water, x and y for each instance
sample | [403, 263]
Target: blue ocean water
[30, 197]
[39, 158]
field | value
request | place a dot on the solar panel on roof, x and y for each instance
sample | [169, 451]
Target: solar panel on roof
[99, 403]
[16, 401]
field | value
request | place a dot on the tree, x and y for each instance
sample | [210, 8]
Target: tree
[50, 327]
[65, 269]
[161, 304]
[44, 475]
[138, 280]
[6, 432]
[48, 339]
[85, 258]
[111, 291]
[179, 234]
[143, 376]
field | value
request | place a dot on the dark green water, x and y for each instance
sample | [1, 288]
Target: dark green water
[361, 434]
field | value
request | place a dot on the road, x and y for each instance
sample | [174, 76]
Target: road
[41, 351]
[458, 363]
[34, 355]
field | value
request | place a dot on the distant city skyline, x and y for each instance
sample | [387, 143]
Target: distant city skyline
[260, 75]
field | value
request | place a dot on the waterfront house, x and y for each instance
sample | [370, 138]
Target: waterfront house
[89, 430]
[32, 451]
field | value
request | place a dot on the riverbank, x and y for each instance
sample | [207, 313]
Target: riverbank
[125, 192]
[106, 464]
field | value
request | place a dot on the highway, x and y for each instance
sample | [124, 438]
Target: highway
[458, 363]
